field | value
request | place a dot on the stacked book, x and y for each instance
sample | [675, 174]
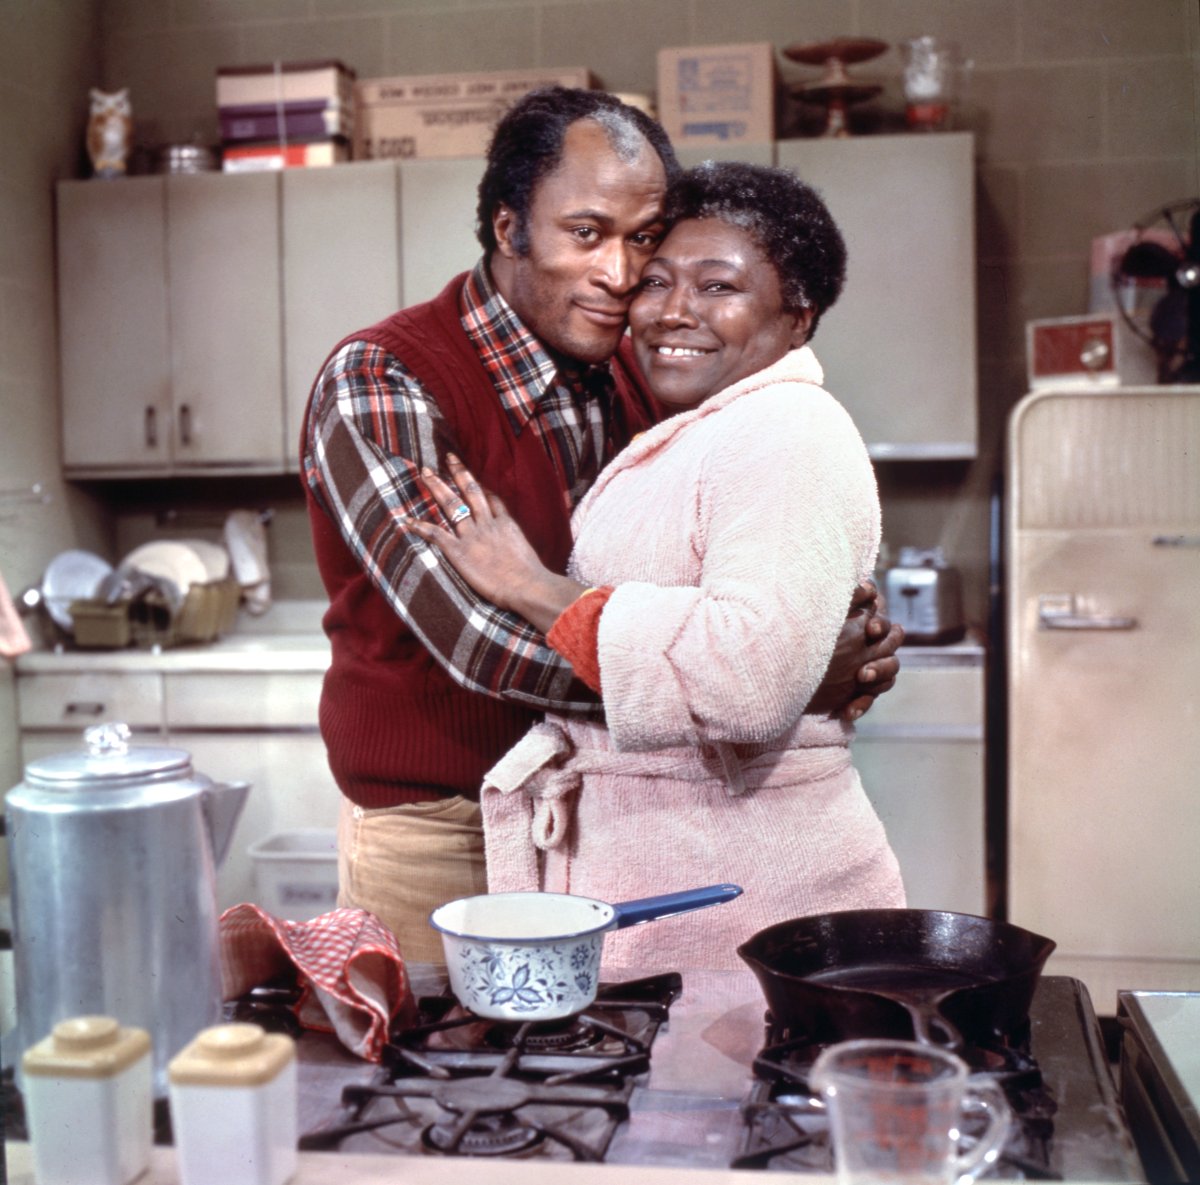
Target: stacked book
[285, 115]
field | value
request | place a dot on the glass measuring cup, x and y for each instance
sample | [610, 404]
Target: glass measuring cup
[897, 1110]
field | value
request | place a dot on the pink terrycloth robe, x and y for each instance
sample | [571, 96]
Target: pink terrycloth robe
[735, 534]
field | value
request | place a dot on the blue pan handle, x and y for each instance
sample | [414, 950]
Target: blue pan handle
[647, 909]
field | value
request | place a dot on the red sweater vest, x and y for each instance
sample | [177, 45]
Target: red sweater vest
[396, 727]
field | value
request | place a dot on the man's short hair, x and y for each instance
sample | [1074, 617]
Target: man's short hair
[786, 218]
[528, 142]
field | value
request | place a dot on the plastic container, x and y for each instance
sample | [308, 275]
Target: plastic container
[89, 1103]
[234, 1108]
[295, 873]
[100, 625]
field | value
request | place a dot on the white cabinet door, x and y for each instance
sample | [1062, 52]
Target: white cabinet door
[290, 788]
[341, 269]
[114, 352]
[226, 342]
[437, 203]
[898, 348]
[920, 754]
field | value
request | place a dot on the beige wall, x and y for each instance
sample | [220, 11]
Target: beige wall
[48, 58]
[1085, 113]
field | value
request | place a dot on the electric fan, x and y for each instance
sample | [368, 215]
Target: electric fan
[1167, 249]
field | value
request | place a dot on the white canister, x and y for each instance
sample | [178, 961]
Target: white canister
[233, 1107]
[89, 1103]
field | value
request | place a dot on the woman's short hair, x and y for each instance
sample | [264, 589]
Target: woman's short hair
[527, 145]
[785, 217]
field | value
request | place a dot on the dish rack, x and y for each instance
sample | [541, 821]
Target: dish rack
[208, 611]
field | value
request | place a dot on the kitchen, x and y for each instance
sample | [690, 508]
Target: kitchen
[1078, 125]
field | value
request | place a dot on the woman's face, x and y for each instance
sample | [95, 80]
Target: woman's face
[709, 312]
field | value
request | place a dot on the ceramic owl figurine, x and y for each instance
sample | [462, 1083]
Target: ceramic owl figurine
[110, 125]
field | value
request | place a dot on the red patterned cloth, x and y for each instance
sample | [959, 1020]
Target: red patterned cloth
[353, 980]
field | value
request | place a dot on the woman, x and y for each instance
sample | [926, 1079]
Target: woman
[713, 563]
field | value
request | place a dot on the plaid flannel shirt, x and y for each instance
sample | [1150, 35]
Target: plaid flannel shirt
[372, 415]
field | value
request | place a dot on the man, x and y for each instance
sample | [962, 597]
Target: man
[518, 367]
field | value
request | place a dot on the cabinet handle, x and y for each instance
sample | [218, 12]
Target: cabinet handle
[185, 424]
[1176, 541]
[151, 427]
[85, 707]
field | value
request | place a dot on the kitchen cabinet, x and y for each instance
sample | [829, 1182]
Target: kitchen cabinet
[196, 310]
[898, 348]
[226, 351]
[243, 712]
[920, 754]
[170, 325]
[341, 269]
[113, 329]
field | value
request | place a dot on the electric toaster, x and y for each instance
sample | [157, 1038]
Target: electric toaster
[924, 595]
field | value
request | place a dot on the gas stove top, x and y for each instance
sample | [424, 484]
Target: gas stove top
[458, 1085]
[688, 1072]
[668, 1071]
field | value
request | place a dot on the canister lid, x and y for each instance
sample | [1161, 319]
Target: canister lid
[108, 759]
[232, 1055]
[86, 1047]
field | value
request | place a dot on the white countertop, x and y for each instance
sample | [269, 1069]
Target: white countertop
[238, 652]
[334, 1168]
[289, 638]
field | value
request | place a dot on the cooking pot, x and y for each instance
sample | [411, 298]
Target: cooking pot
[113, 853]
[929, 974]
[536, 956]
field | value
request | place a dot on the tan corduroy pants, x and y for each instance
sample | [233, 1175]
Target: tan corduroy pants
[402, 862]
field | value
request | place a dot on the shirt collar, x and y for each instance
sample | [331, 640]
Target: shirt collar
[519, 366]
[522, 370]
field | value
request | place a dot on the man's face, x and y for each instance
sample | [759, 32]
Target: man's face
[593, 224]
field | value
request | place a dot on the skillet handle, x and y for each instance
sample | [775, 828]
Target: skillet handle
[647, 909]
[931, 1028]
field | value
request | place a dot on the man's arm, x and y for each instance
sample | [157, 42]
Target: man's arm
[372, 428]
[864, 663]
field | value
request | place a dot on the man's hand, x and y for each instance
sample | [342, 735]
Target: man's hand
[864, 662]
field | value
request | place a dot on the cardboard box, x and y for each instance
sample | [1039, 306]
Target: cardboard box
[255, 158]
[285, 82]
[718, 94]
[427, 115]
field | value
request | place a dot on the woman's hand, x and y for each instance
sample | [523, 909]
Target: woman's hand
[487, 548]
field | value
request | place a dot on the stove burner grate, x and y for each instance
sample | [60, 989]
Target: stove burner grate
[456, 1085]
[787, 1128]
[487, 1135]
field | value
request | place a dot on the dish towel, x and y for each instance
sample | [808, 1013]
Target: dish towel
[246, 541]
[353, 980]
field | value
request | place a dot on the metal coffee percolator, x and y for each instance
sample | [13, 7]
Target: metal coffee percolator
[113, 852]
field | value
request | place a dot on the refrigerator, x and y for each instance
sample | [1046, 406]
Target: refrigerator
[1102, 544]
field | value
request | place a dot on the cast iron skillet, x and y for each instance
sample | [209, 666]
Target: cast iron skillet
[909, 973]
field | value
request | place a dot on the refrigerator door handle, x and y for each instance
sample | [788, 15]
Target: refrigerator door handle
[1058, 611]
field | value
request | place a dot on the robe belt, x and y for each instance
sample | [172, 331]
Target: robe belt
[529, 794]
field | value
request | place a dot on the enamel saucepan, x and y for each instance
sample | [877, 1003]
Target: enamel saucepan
[536, 956]
[910, 973]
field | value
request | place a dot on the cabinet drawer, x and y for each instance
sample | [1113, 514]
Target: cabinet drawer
[243, 701]
[78, 700]
[939, 699]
